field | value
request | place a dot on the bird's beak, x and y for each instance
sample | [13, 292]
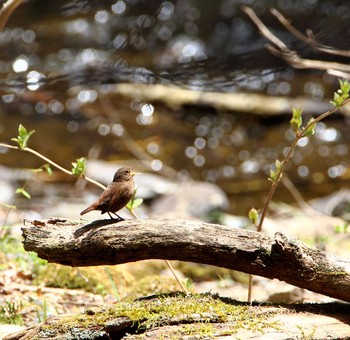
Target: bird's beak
[133, 172]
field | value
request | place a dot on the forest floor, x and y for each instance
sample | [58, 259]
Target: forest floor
[34, 292]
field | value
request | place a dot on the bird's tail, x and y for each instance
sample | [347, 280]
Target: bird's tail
[88, 209]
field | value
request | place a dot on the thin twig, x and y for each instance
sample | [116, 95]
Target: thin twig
[339, 74]
[264, 30]
[250, 288]
[275, 183]
[280, 49]
[298, 136]
[175, 275]
[52, 163]
[13, 204]
[308, 39]
[5, 12]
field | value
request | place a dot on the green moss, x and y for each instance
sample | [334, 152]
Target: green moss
[65, 277]
[306, 336]
[151, 285]
[201, 272]
[200, 309]
[99, 280]
[204, 329]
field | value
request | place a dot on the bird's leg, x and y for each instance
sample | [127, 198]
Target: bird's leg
[119, 218]
[111, 215]
[113, 218]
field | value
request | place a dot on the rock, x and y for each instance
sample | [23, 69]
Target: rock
[9, 329]
[262, 291]
[6, 184]
[294, 295]
[190, 199]
[311, 226]
[335, 204]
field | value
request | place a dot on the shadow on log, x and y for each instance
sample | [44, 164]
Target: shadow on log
[109, 242]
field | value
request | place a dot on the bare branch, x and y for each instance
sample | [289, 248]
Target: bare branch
[309, 38]
[280, 49]
[264, 30]
[6, 10]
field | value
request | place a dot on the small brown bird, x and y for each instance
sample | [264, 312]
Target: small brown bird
[116, 195]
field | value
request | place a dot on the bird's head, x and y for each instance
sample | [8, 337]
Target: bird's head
[124, 174]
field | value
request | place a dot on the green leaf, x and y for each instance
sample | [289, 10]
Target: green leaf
[273, 176]
[23, 136]
[48, 169]
[188, 283]
[79, 167]
[337, 100]
[342, 94]
[296, 120]
[137, 202]
[341, 229]
[311, 129]
[253, 215]
[275, 173]
[23, 192]
[344, 87]
[22, 131]
[134, 202]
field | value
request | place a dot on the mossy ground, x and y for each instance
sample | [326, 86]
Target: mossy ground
[119, 281]
[204, 310]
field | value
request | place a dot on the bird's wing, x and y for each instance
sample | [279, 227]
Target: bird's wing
[104, 205]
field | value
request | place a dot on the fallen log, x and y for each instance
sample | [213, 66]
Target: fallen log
[109, 242]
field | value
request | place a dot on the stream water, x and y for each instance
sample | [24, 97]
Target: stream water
[60, 60]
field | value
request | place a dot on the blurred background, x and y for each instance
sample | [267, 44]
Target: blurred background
[185, 91]
[64, 66]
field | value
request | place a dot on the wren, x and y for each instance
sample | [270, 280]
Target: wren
[117, 194]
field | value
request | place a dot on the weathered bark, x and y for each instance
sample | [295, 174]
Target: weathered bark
[107, 242]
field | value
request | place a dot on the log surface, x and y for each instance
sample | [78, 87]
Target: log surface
[106, 242]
